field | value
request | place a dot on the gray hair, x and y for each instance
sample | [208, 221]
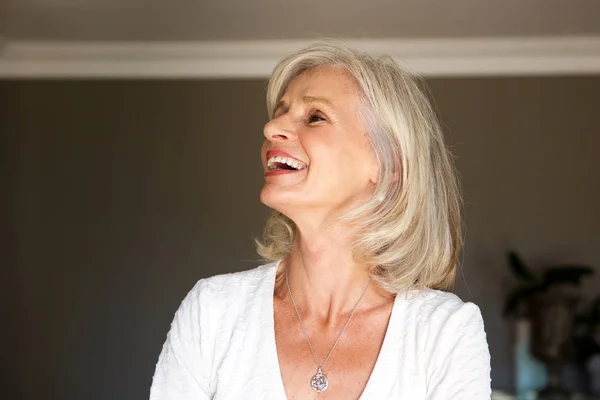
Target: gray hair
[410, 230]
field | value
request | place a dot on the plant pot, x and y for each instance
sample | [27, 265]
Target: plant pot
[552, 317]
[531, 375]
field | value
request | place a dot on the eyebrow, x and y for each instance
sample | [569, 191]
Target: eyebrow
[305, 100]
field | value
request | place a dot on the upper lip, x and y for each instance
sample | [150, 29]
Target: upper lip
[281, 153]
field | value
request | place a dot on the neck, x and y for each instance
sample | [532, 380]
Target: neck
[324, 278]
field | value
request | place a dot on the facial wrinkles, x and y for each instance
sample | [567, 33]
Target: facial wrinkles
[303, 95]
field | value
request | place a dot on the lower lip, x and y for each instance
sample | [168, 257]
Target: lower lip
[282, 172]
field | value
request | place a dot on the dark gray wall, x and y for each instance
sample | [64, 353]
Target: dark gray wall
[124, 194]
[119, 195]
[528, 155]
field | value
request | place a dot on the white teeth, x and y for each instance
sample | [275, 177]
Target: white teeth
[285, 160]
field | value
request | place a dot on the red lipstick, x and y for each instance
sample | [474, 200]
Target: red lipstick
[276, 172]
[281, 153]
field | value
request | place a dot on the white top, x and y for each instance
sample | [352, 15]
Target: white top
[222, 346]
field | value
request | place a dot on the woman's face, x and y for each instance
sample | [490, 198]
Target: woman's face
[317, 128]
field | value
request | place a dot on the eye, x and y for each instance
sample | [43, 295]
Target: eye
[315, 116]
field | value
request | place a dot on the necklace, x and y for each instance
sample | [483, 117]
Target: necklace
[319, 381]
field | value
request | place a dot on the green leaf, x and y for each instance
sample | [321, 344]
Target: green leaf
[518, 268]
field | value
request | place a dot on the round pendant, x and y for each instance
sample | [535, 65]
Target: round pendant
[319, 382]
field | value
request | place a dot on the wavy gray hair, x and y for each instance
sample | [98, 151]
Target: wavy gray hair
[410, 230]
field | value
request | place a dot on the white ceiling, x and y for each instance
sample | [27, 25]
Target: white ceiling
[199, 20]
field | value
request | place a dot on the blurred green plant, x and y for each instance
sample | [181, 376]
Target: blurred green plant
[532, 285]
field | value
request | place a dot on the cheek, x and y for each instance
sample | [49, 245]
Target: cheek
[340, 159]
[356, 170]
[339, 164]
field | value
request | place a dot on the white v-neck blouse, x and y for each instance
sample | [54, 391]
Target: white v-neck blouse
[221, 346]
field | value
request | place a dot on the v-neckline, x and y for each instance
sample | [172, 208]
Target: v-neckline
[375, 373]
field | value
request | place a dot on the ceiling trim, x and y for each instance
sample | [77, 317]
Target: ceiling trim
[256, 59]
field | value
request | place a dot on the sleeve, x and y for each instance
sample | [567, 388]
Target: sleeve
[459, 368]
[182, 371]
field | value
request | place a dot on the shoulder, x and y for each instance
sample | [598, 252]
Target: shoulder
[440, 318]
[227, 291]
[453, 344]
[435, 307]
[226, 284]
[215, 304]
[448, 327]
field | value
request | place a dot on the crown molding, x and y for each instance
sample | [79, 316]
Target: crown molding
[255, 59]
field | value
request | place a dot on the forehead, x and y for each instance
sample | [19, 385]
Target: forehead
[328, 82]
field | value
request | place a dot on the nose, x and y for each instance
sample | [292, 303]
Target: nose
[279, 130]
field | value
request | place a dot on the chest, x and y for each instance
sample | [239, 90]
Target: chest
[349, 366]
[264, 355]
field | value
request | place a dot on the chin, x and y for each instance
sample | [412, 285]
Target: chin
[273, 198]
[276, 199]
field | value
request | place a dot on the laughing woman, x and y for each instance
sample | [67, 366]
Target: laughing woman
[362, 249]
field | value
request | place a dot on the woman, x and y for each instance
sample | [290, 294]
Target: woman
[363, 243]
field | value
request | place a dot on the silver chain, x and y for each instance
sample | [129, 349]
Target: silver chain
[287, 281]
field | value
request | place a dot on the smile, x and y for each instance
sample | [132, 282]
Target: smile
[280, 163]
